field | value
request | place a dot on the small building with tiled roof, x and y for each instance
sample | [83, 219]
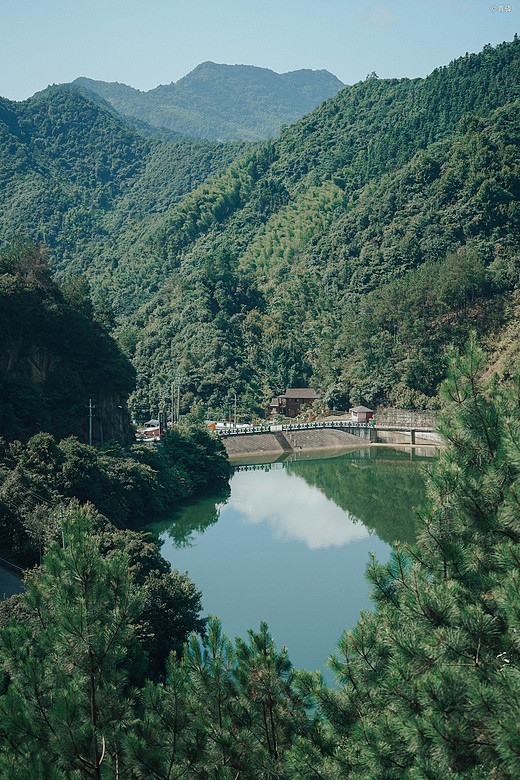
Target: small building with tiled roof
[361, 413]
[290, 403]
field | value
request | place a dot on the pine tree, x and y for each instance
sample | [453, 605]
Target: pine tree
[270, 710]
[429, 681]
[224, 712]
[68, 702]
[164, 743]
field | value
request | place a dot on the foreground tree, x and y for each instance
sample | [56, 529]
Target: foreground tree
[75, 702]
[68, 700]
[429, 681]
[226, 712]
[171, 604]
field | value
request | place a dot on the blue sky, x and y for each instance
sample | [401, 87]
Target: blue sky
[146, 43]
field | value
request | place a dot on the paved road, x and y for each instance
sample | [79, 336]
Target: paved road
[9, 583]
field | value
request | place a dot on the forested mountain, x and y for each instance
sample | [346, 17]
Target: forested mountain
[347, 253]
[223, 102]
[87, 184]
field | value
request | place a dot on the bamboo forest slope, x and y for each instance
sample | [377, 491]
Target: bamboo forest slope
[348, 252]
[366, 130]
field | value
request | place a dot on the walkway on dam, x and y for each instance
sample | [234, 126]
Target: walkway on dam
[356, 428]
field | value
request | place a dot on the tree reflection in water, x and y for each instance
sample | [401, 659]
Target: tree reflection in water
[323, 502]
[193, 518]
[380, 486]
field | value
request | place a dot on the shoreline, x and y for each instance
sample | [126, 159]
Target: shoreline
[266, 457]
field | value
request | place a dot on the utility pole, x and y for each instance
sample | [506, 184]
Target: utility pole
[178, 396]
[162, 417]
[173, 403]
[235, 416]
[90, 415]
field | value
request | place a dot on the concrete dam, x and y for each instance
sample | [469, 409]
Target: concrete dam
[280, 439]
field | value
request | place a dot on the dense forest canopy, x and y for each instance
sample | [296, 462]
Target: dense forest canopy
[87, 183]
[41, 479]
[361, 242]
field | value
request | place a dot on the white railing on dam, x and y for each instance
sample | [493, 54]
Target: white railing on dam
[368, 431]
[288, 427]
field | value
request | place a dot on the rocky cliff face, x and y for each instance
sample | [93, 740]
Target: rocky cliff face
[113, 420]
[55, 359]
[33, 363]
[33, 376]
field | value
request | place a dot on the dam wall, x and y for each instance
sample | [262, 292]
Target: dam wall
[291, 441]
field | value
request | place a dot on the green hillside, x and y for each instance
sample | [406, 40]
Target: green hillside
[80, 179]
[347, 253]
[223, 102]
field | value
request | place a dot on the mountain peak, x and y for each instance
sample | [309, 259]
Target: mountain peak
[223, 102]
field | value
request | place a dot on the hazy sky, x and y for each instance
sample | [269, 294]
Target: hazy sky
[149, 42]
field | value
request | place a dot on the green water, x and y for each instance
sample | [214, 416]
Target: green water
[291, 542]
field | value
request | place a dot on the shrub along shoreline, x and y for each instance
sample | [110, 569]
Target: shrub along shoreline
[39, 480]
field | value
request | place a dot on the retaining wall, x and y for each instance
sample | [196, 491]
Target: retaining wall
[296, 441]
[403, 437]
[407, 418]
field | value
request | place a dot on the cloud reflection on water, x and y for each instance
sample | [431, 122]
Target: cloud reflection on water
[294, 510]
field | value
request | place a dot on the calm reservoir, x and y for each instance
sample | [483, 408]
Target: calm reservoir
[291, 542]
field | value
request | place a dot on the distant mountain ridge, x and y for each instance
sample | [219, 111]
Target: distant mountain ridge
[223, 102]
